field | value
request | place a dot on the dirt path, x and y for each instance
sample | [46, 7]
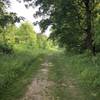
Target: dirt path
[42, 88]
[39, 89]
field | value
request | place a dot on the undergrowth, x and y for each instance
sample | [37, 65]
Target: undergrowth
[83, 69]
[17, 70]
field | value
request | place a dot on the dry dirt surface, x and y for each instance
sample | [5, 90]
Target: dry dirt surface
[39, 89]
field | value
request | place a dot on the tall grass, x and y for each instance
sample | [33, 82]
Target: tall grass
[17, 70]
[87, 70]
[83, 69]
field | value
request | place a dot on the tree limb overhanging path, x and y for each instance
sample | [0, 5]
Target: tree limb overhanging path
[42, 88]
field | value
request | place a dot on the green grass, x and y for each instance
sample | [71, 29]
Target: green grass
[87, 70]
[80, 71]
[17, 70]
[76, 77]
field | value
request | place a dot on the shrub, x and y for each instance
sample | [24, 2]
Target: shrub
[6, 48]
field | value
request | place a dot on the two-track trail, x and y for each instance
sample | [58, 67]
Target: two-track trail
[42, 88]
[39, 89]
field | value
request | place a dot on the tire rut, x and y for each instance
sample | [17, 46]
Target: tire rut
[39, 89]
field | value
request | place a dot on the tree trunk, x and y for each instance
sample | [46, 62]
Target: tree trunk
[89, 41]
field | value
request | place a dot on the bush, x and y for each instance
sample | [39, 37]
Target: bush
[6, 48]
[90, 77]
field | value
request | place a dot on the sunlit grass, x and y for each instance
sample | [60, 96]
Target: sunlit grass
[17, 70]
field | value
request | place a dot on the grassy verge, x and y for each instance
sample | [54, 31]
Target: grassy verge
[77, 77]
[17, 70]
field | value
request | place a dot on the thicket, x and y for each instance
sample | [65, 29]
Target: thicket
[24, 35]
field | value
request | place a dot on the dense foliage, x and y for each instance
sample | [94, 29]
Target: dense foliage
[6, 19]
[11, 35]
[73, 22]
[75, 25]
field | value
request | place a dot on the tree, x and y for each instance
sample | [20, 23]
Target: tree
[72, 21]
[6, 19]
[26, 34]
